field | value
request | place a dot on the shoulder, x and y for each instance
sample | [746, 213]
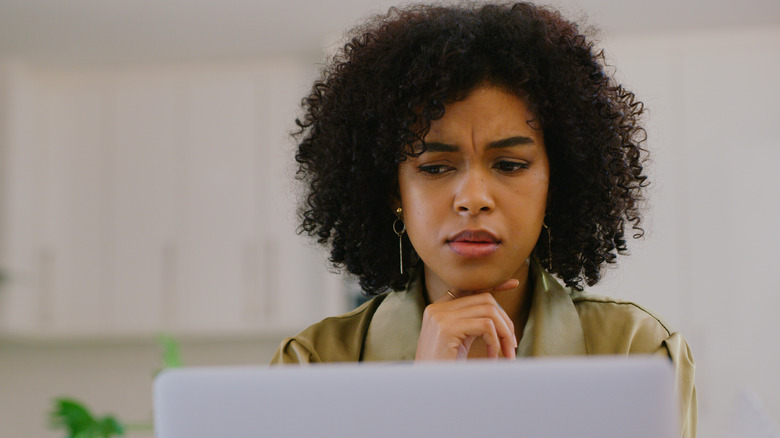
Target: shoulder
[613, 326]
[334, 339]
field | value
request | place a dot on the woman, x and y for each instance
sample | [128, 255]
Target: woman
[460, 157]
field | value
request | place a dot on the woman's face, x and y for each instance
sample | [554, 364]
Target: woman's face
[474, 202]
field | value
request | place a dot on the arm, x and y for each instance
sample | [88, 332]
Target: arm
[334, 339]
[675, 348]
[620, 327]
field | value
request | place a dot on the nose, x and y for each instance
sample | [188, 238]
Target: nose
[474, 194]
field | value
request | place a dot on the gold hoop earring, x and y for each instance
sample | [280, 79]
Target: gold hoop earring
[549, 247]
[400, 234]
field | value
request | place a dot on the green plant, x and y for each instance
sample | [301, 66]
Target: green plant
[170, 347]
[79, 422]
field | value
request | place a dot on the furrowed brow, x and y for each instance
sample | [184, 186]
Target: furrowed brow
[510, 142]
[435, 146]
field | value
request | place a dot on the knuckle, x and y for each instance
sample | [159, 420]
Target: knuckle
[448, 331]
[488, 325]
[431, 312]
[490, 310]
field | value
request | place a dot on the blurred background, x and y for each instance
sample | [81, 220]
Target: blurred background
[146, 187]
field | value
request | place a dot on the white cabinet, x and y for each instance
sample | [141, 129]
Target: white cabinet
[217, 231]
[73, 240]
[139, 200]
[145, 211]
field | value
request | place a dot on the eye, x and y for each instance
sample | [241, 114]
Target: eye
[508, 166]
[434, 169]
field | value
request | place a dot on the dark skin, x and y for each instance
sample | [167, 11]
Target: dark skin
[473, 204]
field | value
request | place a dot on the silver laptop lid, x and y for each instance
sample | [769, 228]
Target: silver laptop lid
[579, 397]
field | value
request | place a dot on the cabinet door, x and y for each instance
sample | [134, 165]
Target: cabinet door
[21, 184]
[218, 202]
[144, 212]
[164, 200]
[75, 195]
[299, 289]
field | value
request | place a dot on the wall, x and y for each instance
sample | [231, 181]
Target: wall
[706, 263]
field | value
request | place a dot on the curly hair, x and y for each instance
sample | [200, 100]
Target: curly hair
[378, 96]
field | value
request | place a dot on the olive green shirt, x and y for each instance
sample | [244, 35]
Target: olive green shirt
[562, 322]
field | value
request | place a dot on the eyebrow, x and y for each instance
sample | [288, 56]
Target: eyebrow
[436, 146]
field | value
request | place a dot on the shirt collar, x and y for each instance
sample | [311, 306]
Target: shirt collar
[553, 327]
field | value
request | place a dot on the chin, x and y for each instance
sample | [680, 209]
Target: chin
[474, 283]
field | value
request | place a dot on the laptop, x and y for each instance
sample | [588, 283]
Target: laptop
[598, 397]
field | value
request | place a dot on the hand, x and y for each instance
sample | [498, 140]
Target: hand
[450, 325]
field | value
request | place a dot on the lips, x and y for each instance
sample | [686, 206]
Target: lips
[473, 243]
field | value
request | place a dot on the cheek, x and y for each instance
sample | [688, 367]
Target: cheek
[540, 195]
[420, 214]
[529, 206]
[417, 196]
[424, 212]
[539, 189]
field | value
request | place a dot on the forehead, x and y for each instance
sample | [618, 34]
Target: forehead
[485, 114]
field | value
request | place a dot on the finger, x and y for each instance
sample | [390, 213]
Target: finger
[485, 329]
[478, 300]
[470, 299]
[507, 285]
[489, 309]
[449, 295]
